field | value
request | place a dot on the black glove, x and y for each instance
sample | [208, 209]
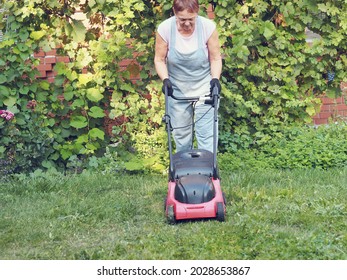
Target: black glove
[168, 85]
[215, 82]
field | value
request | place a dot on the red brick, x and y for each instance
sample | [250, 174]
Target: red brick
[338, 100]
[325, 115]
[326, 100]
[325, 108]
[125, 62]
[50, 59]
[65, 59]
[50, 79]
[341, 107]
[51, 74]
[42, 74]
[51, 52]
[44, 67]
[320, 121]
[39, 54]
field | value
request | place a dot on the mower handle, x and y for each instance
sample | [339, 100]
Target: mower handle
[208, 99]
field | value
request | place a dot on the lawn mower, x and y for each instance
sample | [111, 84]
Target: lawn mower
[194, 190]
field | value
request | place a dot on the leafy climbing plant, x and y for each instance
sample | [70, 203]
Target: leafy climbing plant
[271, 75]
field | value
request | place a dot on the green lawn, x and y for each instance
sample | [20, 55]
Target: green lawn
[270, 215]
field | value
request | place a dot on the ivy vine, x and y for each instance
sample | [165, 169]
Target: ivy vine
[271, 75]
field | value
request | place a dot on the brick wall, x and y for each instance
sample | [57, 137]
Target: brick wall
[47, 63]
[332, 109]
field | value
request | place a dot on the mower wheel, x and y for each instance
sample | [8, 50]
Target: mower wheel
[171, 215]
[224, 199]
[220, 212]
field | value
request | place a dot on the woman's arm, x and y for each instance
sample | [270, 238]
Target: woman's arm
[161, 49]
[215, 55]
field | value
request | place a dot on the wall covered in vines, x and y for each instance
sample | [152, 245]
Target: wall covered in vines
[271, 76]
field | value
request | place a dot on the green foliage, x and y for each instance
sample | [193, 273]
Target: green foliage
[27, 145]
[27, 141]
[320, 147]
[270, 76]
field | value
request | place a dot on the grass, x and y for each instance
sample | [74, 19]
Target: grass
[298, 214]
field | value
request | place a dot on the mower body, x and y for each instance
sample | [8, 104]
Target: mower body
[194, 192]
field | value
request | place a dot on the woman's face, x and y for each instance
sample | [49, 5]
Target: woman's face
[186, 21]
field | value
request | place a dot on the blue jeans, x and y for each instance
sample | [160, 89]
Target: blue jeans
[182, 114]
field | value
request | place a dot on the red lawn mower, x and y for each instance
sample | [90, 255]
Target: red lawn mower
[194, 190]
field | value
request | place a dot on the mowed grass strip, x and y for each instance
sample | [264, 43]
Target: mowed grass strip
[271, 214]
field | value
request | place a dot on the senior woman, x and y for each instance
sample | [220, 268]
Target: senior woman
[188, 61]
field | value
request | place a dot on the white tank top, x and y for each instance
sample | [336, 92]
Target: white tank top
[187, 44]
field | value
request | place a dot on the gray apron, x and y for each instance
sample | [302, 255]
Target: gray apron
[189, 73]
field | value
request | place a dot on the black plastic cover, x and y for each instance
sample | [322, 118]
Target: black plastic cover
[196, 161]
[194, 189]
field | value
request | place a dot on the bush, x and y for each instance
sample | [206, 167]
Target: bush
[295, 147]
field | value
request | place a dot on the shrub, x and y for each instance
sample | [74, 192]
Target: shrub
[295, 147]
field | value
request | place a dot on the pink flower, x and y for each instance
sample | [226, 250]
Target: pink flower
[7, 115]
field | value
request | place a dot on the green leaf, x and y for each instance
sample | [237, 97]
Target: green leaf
[20, 119]
[78, 31]
[78, 103]
[96, 112]
[23, 35]
[91, 147]
[60, 68]
[269, 29]
[2, 150]
[4, 91]
[310, 110]
[244, 10]
[24, 90]
[94, 94]
[44, 85]
[97, 133]
[134, 164]
[65, 133]
[48, 164]
[37, 35]
[78, 122]
[10, 101]
[3, 79]
[71, 75]
[12, 58]
[91, 3]
[84, 79]
[82, 139]
[127, 87]
[68, 95]
[65, 154]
